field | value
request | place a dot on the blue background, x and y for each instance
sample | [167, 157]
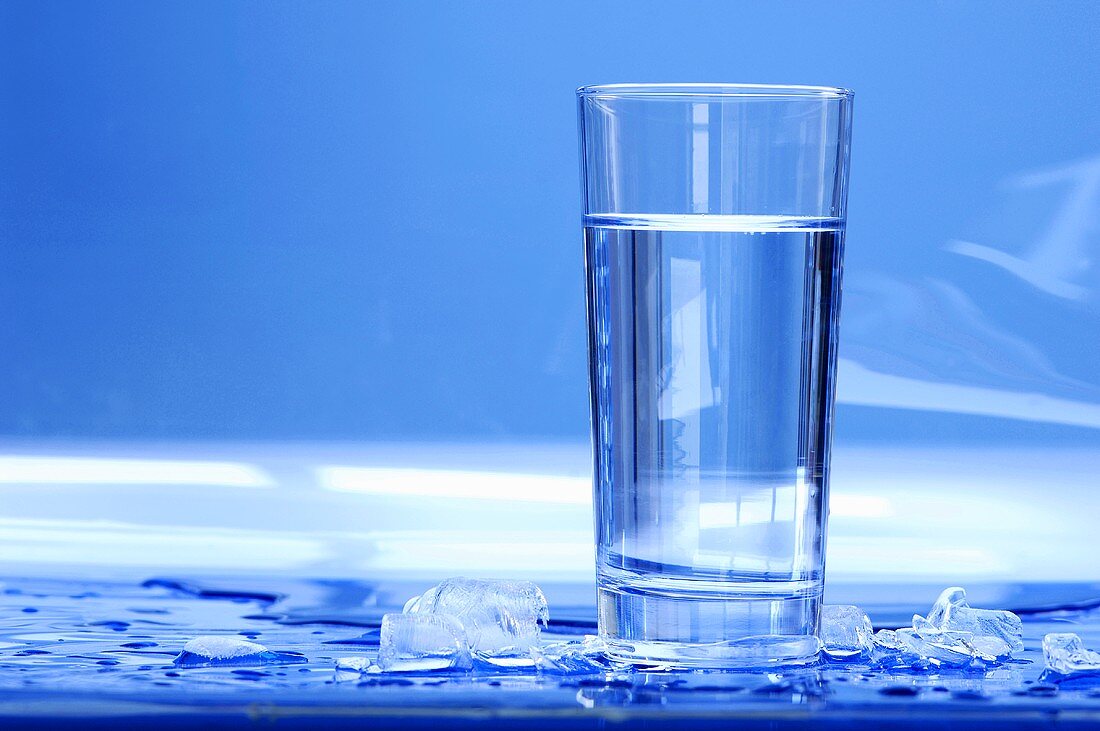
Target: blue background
[297, 287]
[361, 220]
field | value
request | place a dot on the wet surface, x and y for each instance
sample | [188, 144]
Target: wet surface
[100, 650]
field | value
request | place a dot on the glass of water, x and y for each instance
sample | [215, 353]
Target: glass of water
[714, 226]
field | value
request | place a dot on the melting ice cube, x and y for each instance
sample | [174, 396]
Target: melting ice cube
[422, 642]
[1066, 654]
[501, 618]
[952, 612]
[210, 650]
[845, 632]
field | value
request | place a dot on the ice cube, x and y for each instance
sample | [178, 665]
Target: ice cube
[502, 618]
[952, 612]
[845, 632]
[422, 642]
[571, 658]
[1066, 654]
[210, 650]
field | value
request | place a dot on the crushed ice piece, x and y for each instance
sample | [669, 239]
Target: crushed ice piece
[891, 652]
[845, 632]
[955, 635]
[422, 642]
[920, 624]
[571, 658]
[887, 639]
[506, 661]
[950, 598]
[952, 612]
[352, 668]
[1066, 654]
[949, 648]
[212, 650]
[501, 618]
[990, 649]
[356, 664]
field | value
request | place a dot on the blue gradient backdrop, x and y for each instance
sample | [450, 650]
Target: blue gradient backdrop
[361, 220]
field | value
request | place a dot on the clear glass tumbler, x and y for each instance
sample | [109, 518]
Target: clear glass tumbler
[714, 226]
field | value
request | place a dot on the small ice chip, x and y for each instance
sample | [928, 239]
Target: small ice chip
[887, 639]
[422, 642]
[501, 618]
[571, 658]
[952, 612]
[209, 650]
[214, 647]
[351, 668]
[1066, 654]
[845, 632]
[353, 664]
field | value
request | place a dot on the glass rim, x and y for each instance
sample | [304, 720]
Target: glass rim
[718, 90]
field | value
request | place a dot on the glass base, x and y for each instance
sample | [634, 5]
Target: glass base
[762, 627]
[750, 653]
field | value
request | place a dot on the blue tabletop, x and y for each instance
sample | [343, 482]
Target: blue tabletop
[101, 654]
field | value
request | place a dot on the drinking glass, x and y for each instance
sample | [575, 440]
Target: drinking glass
[714, 220]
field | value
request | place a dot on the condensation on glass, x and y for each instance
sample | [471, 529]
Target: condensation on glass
[714, 228]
